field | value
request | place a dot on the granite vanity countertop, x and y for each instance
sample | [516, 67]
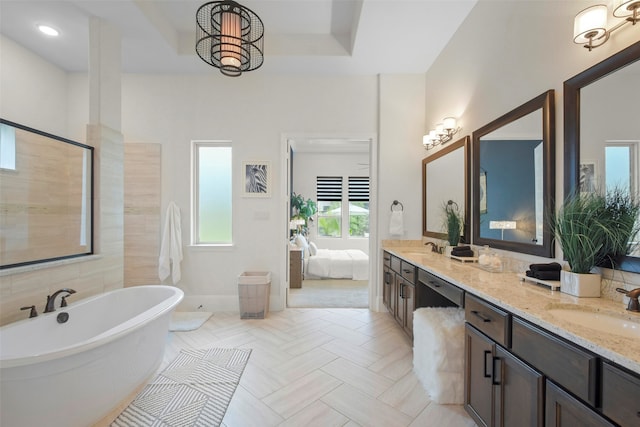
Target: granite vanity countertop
[533, 302]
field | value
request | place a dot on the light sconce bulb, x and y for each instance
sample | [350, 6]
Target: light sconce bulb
[449, 123]
[590, 24]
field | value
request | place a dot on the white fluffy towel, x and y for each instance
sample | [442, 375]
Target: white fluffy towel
[396, 223]
[171, 248]
[438, 353]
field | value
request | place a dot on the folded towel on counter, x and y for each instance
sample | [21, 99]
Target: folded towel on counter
[463, 254]
[461, 248]
[544, 275]
[552, 266]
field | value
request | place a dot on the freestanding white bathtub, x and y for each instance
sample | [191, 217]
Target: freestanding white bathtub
[75, 373]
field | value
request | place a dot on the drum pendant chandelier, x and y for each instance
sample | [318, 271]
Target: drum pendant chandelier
[229, 37]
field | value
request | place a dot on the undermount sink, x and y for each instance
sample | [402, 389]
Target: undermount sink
[415, 253]
[598, 321]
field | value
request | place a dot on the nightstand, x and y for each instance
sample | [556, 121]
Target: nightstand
[295, 267]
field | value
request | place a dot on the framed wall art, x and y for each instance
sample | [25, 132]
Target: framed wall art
[256, 178]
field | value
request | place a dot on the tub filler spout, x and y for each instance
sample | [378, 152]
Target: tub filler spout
[51, 299]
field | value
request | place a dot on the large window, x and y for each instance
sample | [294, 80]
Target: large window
[332, 196]
[359, 206]
[329, 193]
[212, 186]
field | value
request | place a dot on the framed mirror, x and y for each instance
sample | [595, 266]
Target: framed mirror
[600, 122]
[514, 179]
[446, 176]
[46, 199]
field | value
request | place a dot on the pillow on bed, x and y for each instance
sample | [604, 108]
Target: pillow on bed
[313, 249]
[301, 242]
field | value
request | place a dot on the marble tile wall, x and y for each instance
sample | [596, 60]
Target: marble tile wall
[142, 228]
[25, 286]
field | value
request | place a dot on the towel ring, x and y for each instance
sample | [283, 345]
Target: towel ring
[396, 203]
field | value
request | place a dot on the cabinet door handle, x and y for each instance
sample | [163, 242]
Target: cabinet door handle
[486, 374]
[495, 381]
[435, 284]
[387, 278]
[481, 316]
[402, 290]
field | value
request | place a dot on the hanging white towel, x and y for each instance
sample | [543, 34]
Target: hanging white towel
[396, 223]
[171, 248]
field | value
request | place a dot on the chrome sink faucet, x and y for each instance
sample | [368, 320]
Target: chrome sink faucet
[633, 295]
[51, 299]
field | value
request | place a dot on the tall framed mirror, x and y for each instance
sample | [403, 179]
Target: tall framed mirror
[446, 176]
[514, 179]
[602, 130]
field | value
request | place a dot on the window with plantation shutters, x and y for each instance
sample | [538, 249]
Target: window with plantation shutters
[329, 195]
[329, 188]
[358, 206]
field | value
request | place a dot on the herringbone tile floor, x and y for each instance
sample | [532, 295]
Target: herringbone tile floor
[321, 367]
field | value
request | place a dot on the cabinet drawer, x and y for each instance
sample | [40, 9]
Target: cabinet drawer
[395, 263]
[564, 363]
[620, 395]
[408, 272]
[444, 288]
[386, 259]
[562, 409]
[490, 320]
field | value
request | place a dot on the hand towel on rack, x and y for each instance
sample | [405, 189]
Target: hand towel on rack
[171, 247]
[396, 223]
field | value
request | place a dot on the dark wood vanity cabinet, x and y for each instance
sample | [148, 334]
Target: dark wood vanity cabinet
[399, 290]
[620, 395]
[405, 296]
[500, 389]
[564, 410]
[387, 279]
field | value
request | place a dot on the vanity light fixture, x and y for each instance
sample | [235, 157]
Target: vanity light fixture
[590, 25]
[442, 134]
[229, 37]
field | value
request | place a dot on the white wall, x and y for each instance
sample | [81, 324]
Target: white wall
[33, 91]
[308, 166]
[505, 54]
[253, 112]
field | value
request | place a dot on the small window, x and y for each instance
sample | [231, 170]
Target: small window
[212, 193]
[329, 193]
[7, 147]
[359, 206]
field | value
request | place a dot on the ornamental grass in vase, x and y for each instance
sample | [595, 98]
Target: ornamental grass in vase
[454, 221]
[593, 229]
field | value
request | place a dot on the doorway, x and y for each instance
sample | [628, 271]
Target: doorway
[328, 169]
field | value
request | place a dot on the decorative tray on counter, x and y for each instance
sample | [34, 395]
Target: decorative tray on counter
[464, 259]
[553, 284]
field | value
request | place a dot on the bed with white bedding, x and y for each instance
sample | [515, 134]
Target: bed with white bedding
[338, 264]
[333, 263]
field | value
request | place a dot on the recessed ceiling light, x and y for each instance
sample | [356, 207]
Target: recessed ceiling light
[49, 31]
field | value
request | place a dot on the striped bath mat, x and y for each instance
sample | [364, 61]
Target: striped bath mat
[194, 390]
